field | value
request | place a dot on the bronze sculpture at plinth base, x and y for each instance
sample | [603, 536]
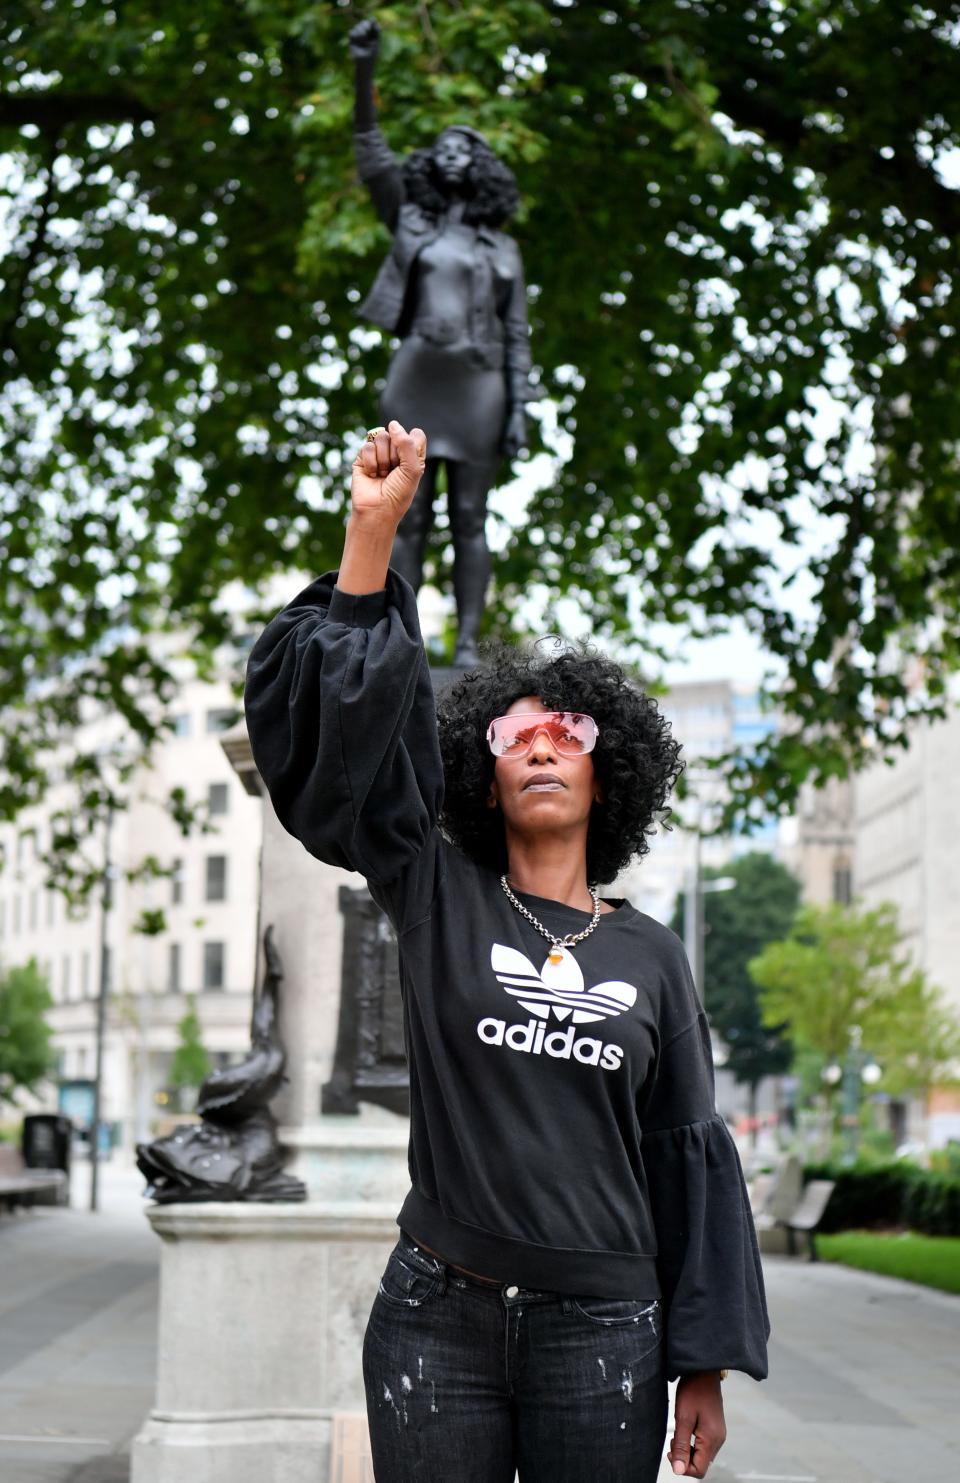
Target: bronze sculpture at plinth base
[235, 1153]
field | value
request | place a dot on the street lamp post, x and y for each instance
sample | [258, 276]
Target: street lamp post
[859, 1069]
[694, 930]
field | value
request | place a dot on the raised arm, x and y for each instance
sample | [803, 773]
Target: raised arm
[386, 475]
[339, 705]
[376, 162]
[364, 45]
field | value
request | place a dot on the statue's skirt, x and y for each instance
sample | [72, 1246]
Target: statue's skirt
[459, 404]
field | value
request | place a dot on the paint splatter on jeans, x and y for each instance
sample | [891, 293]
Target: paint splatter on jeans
[469, 1383]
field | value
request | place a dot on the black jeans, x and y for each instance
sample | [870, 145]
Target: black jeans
[470, 1383]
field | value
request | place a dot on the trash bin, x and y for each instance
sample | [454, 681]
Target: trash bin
[45, 1143]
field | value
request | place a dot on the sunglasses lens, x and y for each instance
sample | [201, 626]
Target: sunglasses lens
[572, 734]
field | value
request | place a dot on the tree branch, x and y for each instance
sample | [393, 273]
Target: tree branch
[55, 107]
[904, 171]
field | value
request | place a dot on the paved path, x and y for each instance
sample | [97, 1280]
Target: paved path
[78, 1308]
[864, 1385]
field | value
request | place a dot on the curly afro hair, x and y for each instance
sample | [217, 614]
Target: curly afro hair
[492, 194]
[636, 759]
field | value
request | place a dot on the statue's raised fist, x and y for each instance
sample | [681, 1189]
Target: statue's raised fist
[364, 40]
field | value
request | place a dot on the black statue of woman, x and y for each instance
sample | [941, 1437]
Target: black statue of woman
[452, 289]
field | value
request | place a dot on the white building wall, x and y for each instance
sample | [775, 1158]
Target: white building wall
[144, 1007]
[907, 852]
[708, 717]
[907, 849]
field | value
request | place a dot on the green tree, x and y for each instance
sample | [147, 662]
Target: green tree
[738, 924]
[736, 223]
[26, 1056]
[191, 1063]
[916, 1040]
[842, 977]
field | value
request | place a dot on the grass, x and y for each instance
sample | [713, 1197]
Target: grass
[933, 1261]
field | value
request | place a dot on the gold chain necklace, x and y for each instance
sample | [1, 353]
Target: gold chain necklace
[557, 944]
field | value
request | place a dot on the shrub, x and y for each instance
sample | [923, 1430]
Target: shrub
[899, 1194]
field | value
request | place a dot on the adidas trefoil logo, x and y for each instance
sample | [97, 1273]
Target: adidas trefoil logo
[558, 991]
[558, 988]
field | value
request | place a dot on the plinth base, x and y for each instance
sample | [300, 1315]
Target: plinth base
[262, 1314]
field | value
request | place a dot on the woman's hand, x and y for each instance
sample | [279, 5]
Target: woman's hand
[698, 1410]
[387, 472]
[364, 41]
[515, 436]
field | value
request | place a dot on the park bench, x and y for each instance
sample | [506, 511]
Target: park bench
[783, 1208]
[22, 1186]
[807, 1215]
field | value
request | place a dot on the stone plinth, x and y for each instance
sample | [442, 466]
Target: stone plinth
[262, 1314]
[263, 1307]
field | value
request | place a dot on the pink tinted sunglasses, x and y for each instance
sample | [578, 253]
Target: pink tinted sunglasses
[571, 733]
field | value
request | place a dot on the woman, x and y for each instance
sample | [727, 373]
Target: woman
[577, 1232]
[452, 289]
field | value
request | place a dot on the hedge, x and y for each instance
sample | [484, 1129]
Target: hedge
[899, 1194]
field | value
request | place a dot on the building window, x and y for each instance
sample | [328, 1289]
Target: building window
[3, 918]
[220, 720]
[176, 883]
[173, 974]
[16, 913]
[214, 954]
[218, 798]
[216, 878]
[842, 885]
[51, 908]
[85, 975]
[34, 910]
[65, 978]
[181, 724]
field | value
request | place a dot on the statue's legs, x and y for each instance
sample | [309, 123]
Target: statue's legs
[469, 485]
[411, 538]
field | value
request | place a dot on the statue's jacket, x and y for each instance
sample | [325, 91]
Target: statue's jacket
[563, 1133]
[499, 333]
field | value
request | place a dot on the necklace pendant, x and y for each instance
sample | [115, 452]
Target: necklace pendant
[555, 955]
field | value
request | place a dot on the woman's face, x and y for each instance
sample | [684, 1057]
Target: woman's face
[452, 156]
[543, 790]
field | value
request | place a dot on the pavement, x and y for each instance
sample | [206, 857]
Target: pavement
[864, 1384]
[78, 1333]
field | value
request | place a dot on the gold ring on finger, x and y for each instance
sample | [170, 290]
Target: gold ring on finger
[372, 434]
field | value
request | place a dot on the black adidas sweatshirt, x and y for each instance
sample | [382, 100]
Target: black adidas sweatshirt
[563, 1134]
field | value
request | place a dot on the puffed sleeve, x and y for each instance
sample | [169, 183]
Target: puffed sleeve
[708, 1260]
[342, 724]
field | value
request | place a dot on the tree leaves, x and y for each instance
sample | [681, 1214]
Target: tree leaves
[742, 253]
[26, 1055]
[739, 923]
[840, 975]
